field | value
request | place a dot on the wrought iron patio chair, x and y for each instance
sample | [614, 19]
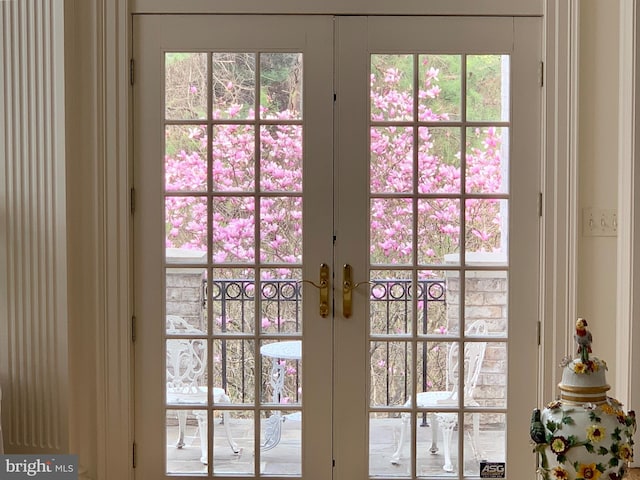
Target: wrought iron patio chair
[447, 421]
[186, 382]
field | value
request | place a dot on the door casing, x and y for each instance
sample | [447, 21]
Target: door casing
[350, 329]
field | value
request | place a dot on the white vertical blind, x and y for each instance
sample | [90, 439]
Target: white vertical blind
[33, 293]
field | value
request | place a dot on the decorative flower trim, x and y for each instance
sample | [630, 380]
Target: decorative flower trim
[566, 360]
[588, 472]
[625, 452]
[560, 473]
[580, 368]
[559, 445]
[622, 473]
[610, 444]
[614, 403]
[595, 433]
[554, 405]
[588, 367]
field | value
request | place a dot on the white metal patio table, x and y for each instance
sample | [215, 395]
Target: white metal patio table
[277, 351]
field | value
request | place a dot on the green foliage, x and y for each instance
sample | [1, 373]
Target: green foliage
[484, 87]
[616, 434]
[552, 426]
[593, 417]
[450, 71]
[174, 57]
[281, 82]
[403, 63]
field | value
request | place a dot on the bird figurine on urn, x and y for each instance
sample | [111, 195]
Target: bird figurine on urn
[583, 339]
[585, 435]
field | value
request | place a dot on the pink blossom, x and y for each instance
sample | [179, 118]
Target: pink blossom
[232, 166]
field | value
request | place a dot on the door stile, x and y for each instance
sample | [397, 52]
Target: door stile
[318, 234]
[525, 242]
[352, 227]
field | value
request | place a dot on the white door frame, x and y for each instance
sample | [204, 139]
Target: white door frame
[628, 263]
[101, 29]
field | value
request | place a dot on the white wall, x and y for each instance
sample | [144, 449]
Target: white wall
[598, 170]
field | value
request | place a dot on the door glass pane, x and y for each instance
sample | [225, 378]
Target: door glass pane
[436, 443]
[185, 87]
[186, 226]
[286, 458]
[439, 159]
[435, 294]
[232, 300]
[485, 221]
[487, 160]
[233, 431]
[231, 362]
[438, 229]
[185, 445]
[487, 386]
[391, 226]
[233, 85]
[233, 236]
[233, 158]
[391, 302]
[390, 372]
[487, 430]
[440, 190]
[487, 92]
[382, 440]
[281, 227]
[281, 86]
[281, 294]
[281, 158]
[392, 87]
[185, 154]
[439, 82]
[391, 160]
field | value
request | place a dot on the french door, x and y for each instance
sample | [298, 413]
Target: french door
[336, 246]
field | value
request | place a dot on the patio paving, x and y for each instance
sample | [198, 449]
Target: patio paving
[283, 460]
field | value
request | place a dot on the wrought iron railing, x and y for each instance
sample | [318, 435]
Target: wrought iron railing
[392, 301]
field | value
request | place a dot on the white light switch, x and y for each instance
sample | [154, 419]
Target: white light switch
[599, 222]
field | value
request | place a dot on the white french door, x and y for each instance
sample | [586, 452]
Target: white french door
[336, 245]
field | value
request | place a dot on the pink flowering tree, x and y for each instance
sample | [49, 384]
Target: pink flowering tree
[436, 173]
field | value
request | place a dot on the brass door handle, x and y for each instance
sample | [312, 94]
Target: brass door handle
[347, 288]
[323, 286]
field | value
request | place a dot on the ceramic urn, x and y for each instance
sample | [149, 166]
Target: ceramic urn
[585, 434]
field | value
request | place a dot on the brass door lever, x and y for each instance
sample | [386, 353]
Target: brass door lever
[323, 286]
[347, 288]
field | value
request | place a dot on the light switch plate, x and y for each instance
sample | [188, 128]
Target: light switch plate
[599, 222]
